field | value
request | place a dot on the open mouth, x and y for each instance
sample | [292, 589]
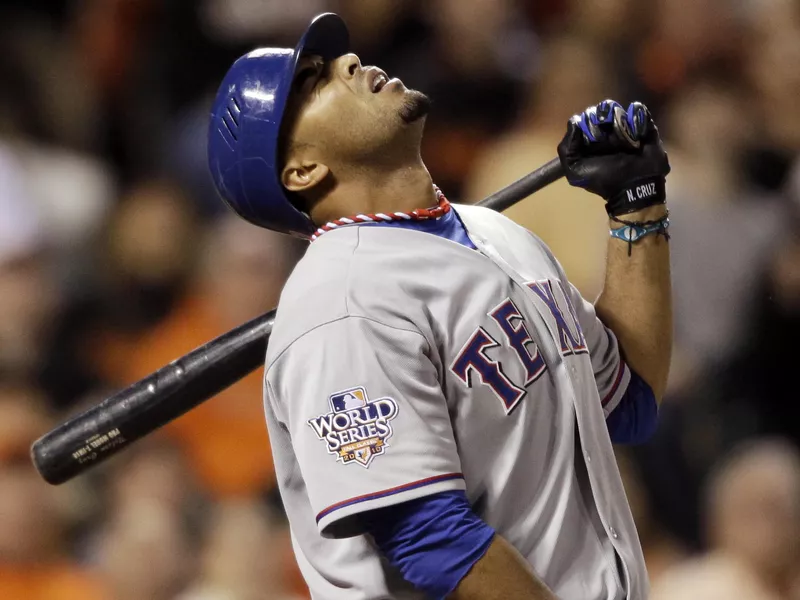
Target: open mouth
[379, 81]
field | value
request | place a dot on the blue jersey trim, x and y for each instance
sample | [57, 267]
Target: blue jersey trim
[634, 419]
[448, 226]
[433, 541]
[389, 492]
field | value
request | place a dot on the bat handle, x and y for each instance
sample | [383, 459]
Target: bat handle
[524, 186]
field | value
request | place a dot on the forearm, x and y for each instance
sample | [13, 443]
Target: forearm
[501, 574]
[636, 302]
[442, 547]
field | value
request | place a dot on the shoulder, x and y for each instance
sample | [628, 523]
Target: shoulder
[314, 293]
[482, 220]
[497, 229]
[342, 275]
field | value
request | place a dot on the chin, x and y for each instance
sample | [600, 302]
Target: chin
[415, 107]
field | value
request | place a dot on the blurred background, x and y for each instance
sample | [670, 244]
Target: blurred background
[116, 257]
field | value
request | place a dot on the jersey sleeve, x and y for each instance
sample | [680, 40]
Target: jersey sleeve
[611, 373]
[367, 418]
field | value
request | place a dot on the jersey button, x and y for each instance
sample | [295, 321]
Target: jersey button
[614, 533]
[588, 457]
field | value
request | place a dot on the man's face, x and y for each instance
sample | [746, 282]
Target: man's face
[346, 113]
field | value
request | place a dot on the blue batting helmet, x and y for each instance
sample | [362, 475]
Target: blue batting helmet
[246, 122]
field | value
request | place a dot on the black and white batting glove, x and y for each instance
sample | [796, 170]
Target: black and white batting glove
[616, 154]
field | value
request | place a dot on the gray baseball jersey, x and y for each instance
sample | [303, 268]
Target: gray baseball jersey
[403, 364]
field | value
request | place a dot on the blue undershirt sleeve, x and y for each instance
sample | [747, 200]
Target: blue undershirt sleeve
[634, 419]
[434, 541]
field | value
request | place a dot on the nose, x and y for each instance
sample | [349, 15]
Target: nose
[347, 65]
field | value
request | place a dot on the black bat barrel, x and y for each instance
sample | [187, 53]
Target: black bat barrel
[159, 398]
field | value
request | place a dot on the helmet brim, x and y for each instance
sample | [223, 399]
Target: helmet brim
[326, 36]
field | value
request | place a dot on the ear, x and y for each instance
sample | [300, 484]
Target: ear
[299, 176]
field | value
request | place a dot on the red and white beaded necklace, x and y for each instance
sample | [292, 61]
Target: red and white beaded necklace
[419, 214]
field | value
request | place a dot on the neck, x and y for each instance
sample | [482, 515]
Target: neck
[402, 189]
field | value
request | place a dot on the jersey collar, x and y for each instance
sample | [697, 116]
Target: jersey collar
[419, 214]
[440, 220]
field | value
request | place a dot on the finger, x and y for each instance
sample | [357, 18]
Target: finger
[587, 122]
[597, 121]
[623, 128]
[638, 118]
[606, 110]
[570, 150]
[570, 147]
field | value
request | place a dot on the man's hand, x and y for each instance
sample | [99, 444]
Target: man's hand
[617, 154]
[501, 574]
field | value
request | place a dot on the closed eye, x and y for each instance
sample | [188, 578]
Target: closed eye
[305, 75]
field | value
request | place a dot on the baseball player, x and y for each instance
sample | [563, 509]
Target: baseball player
[441, 401]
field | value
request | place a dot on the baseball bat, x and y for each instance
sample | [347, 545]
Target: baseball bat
[111, 426]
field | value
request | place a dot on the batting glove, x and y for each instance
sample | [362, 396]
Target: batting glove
[616, 154]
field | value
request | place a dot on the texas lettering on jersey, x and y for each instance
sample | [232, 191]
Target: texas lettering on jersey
[473, 357]
[359, 316]
[356, 428]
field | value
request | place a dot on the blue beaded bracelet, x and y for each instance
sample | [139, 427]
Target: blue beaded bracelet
[632, 232]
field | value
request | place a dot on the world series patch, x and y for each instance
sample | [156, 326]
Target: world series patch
[356, 428]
